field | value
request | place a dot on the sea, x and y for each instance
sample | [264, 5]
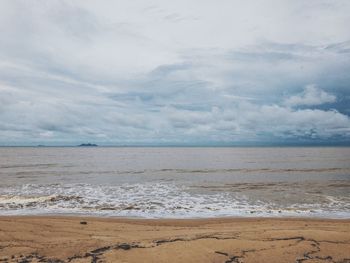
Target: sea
[176, 182]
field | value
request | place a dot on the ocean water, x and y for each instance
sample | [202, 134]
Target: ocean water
[176, 182]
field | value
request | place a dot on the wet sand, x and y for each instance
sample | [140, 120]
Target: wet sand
[89, 239]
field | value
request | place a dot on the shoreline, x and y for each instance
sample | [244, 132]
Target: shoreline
[157, 219]
[100, 239]
[220, 217]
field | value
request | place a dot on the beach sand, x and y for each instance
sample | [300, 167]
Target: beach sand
[90, 239]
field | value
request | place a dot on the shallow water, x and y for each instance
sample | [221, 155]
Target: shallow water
[176, 182]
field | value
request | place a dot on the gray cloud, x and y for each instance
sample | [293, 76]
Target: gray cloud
[185, 72]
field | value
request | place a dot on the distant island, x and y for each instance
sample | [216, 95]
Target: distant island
[87, 145]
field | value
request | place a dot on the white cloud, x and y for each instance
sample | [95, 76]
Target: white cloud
[311, 96]
[305, 123]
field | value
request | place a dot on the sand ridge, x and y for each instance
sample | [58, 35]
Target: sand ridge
[90, 239]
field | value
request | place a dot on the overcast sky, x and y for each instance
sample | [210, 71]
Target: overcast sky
[174, 72]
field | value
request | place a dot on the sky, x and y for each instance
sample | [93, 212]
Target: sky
[186, 72]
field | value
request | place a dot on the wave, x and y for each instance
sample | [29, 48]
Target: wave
[45, 165]
[243, 170]
[180, 170]
[159, 200]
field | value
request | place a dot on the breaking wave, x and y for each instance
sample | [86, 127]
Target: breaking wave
[155, 200]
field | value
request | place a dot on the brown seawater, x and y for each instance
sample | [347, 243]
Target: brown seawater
[176, 182]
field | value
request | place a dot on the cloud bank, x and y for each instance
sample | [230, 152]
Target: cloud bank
[184, 72]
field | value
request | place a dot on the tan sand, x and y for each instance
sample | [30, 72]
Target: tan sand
[70, 239]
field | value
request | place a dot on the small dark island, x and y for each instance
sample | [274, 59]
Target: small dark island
[87, 145]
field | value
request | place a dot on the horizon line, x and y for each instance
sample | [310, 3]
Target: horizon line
[346, 144]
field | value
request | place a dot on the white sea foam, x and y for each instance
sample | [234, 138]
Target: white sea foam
[151, 200]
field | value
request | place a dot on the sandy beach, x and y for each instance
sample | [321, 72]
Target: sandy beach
[90, 239]
[174, 131]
